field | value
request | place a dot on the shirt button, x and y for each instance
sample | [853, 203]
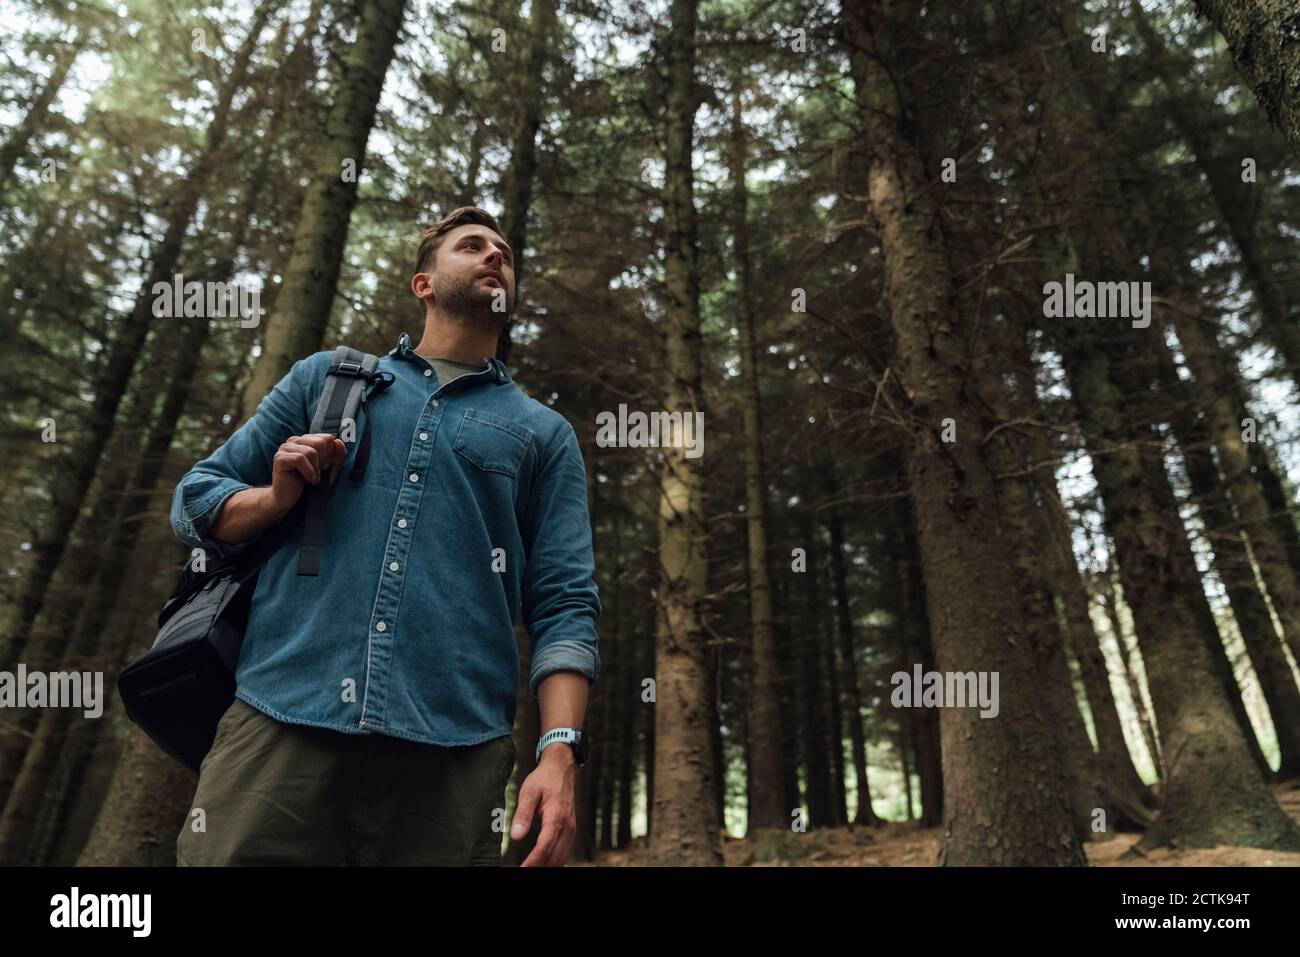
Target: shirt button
[434, 403]
[380, 626]
[392, 566]
[414, 477]
[424, 436]
[401, 523]
[428, 372]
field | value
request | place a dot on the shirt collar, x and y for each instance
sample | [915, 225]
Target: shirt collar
[404, 350]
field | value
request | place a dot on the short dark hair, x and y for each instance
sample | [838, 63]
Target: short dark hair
[433, 236]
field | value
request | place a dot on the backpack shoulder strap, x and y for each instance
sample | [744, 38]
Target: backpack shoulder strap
[346, 382]
[349, 373]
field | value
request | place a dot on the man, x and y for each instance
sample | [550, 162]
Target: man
[375, 702]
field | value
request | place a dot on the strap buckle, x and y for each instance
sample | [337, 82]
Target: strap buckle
[348, 367]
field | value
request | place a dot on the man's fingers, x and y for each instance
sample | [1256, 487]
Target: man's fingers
[301, 458]
[330, 449]
[544, 852]
[311, 455]
[523, 819]
[340, 450]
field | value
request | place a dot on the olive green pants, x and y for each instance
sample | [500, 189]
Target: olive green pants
[274, 793]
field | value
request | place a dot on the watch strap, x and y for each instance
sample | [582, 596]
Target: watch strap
[569, 736]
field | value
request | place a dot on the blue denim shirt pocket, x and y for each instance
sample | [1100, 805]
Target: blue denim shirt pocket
[492, 442]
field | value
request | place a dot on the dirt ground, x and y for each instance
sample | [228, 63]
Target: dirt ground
[906, 845]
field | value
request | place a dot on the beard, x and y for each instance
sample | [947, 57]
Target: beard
[468, 301]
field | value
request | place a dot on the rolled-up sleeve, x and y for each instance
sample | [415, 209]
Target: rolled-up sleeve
[560, 599]
[242, 461]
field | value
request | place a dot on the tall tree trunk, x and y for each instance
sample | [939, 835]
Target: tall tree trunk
[518, 186]
[85, 745]
[144, 810]
[1117, 765]
[1075, 757]
[648, 732]
[715, 675]
[474, 162]
[790, 693]
[905, 741]
[1134, 372]
[916, 645]
[812, 692]
[625, 665]
[1283, 503]
[296, 326]
[1058, 576]
[614, 729]
[828, 696]
[1133, 382]
[686, 829]
[1020, 457]
[849, 671]
[767, 808]
[970, 585]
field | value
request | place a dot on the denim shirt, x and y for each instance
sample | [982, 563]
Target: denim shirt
[473, 510]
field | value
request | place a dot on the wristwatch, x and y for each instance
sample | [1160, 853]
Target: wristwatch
[574, 737]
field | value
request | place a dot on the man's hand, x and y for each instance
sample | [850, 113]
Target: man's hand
[549, 791]
[300, 460]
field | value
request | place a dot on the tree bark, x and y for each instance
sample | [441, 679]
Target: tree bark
[1117, 763]
[970, 585]
[1262, 37]
[296, 326]
[849, 672]
[518, 187]
[1077, 760]
[686, 826]
[144, 810]
[916, 645]
[767, 808]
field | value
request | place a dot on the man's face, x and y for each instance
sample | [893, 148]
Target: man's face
[472, 279]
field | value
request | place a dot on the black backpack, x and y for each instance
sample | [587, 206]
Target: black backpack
[178, 691]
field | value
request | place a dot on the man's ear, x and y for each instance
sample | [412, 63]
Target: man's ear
[422, 287]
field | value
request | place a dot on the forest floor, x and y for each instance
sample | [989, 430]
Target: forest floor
[898, 844]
